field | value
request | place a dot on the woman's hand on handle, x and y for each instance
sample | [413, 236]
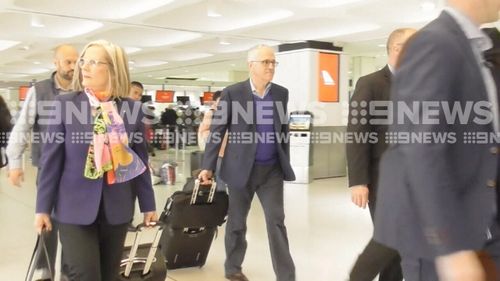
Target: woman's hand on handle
[150, 217]
[42, 222]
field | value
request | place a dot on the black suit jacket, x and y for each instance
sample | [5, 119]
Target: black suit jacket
[236, 115]
[437, 198]
[363, 157]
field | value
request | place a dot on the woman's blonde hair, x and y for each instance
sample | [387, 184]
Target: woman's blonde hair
[119, 77]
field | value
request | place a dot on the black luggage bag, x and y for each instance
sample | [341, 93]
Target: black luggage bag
[191, 219]
[187, 247]
[142, 262]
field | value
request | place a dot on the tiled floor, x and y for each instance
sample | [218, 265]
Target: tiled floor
[326, 231]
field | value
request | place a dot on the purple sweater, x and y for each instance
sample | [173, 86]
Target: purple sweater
[267, 153]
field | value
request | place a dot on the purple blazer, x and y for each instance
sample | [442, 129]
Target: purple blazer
[63, 189]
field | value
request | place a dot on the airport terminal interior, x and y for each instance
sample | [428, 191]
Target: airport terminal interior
[182, 51]
[326, 231]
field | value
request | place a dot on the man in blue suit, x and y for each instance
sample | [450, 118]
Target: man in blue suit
[256, 160]
[437, 200]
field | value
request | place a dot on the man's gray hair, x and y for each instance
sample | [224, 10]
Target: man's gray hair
[253, 52]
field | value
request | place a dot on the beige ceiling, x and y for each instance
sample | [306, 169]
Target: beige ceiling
[182, 38]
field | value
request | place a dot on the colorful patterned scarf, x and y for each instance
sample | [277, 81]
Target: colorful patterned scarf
[109, 151]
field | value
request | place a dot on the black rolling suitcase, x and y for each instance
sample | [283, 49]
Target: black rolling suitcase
[187, 247]
[143, 261]
[191, 219]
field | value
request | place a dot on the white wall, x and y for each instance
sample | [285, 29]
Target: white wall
[362, 66]
[298, 72]
[238, 76]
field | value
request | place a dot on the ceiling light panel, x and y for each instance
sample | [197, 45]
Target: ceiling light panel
[54, 27]
[37, 70]
[149, 63]
[26, 68]
[44, 57]
[7, 76]
[36, 21]
[170, 55]
[108, 9]
[213, 45]
[428, 5]
[6, 44]
[184, 56]
[325, 3]
[397, 11]
[131, 50]
[313, 29]
[233, 16]
[147, 37]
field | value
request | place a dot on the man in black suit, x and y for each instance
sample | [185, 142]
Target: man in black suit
[256, 161]
[437, 198]
[363, 160]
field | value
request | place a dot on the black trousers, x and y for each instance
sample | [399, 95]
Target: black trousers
[92, 252]
[376, 259]
[267, 183]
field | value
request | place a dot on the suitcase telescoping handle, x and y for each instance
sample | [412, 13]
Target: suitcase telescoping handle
[158, 225]
[196, 189]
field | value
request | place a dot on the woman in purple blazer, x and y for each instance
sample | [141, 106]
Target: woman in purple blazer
[94, 165]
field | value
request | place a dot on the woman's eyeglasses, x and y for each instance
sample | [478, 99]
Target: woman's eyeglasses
[92, 63]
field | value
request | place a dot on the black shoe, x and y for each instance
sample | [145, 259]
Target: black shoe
[237, 277]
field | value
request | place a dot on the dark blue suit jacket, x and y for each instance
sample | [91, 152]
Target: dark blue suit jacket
[62, 186]
[235, 106]
[437, 198]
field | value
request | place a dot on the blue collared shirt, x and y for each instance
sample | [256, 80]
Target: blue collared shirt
[254, 90]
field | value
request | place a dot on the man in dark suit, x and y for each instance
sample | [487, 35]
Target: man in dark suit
[256, 160]
[437, 197]
[363, 160]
